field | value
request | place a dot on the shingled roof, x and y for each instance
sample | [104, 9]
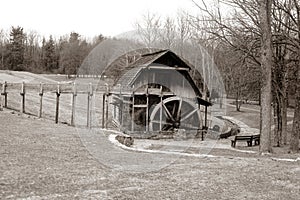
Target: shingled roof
[159, 57]
[127, 74]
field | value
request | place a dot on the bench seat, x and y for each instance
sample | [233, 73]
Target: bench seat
[248, 138]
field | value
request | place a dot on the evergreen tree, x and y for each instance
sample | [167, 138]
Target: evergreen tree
[49, 55]
[16, 49]
[71, 55]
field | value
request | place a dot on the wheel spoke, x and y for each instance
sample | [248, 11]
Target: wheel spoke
[168, 113]
[174, 112]
[179, 109]
[190, 114]
[174, 109]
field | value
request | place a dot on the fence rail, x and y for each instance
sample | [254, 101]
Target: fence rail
[39, 99]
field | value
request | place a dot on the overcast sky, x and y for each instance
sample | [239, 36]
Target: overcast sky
[87, 17]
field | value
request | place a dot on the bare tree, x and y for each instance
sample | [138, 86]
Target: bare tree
[168, 33]
[266, 65]
[183, 30]
[149, 29]
[294, 146]
[2, 37]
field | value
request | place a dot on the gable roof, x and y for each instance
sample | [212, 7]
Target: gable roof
[165, 57]
[162, 57]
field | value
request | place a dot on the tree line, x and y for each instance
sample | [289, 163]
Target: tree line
[29, 51]
[256, 47]
[261, 40]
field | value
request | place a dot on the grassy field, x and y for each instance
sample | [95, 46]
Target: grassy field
[47, 161]
[43, 160]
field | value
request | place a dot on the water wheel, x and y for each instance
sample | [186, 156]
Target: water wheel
[175, 112]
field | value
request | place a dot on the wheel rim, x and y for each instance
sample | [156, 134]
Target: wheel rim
[174, 113]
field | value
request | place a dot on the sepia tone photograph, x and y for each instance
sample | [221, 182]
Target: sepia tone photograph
[139, 99]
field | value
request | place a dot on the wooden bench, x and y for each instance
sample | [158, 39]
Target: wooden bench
[256, 139]
[247, 138]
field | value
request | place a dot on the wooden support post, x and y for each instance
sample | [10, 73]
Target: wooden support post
[147, 109]
[132, 112]
[41, 93]
[89, 103]
[1, 100]
[205, 117]
[22, 93]
[103, 110]
[74, 95]
[4, 93]
[88, 108]
[121, 108]
[57, 103]
[1, 103]
[106, 103]
[161, 108]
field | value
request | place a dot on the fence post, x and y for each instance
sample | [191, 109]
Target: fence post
[89, 113]
[161, 108]
[132, 112]
[73, 104]
[41, 93]
[22, 93]
[121, 108]
[106, 102]
[103, 110]
[1, 101]
[57, 103]
[147, 109]
[4, 93]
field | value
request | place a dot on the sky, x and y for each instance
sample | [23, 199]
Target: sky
[86, 17]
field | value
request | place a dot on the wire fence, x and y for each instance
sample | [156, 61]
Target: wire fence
[71, 103]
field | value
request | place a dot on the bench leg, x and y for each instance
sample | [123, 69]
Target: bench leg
[249, 143]
[233, 144]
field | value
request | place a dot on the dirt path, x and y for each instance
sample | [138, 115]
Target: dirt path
[40, 160]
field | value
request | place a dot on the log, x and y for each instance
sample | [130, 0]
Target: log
[125, 140]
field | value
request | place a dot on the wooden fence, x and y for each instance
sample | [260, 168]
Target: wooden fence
[32, 100]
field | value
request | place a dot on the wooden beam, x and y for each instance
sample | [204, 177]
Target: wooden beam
[141, 106]
[132, 113]
[103, 110]
[205, 117]
[106, 103]
[161, 108]
[169, 68]
[147, 110]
